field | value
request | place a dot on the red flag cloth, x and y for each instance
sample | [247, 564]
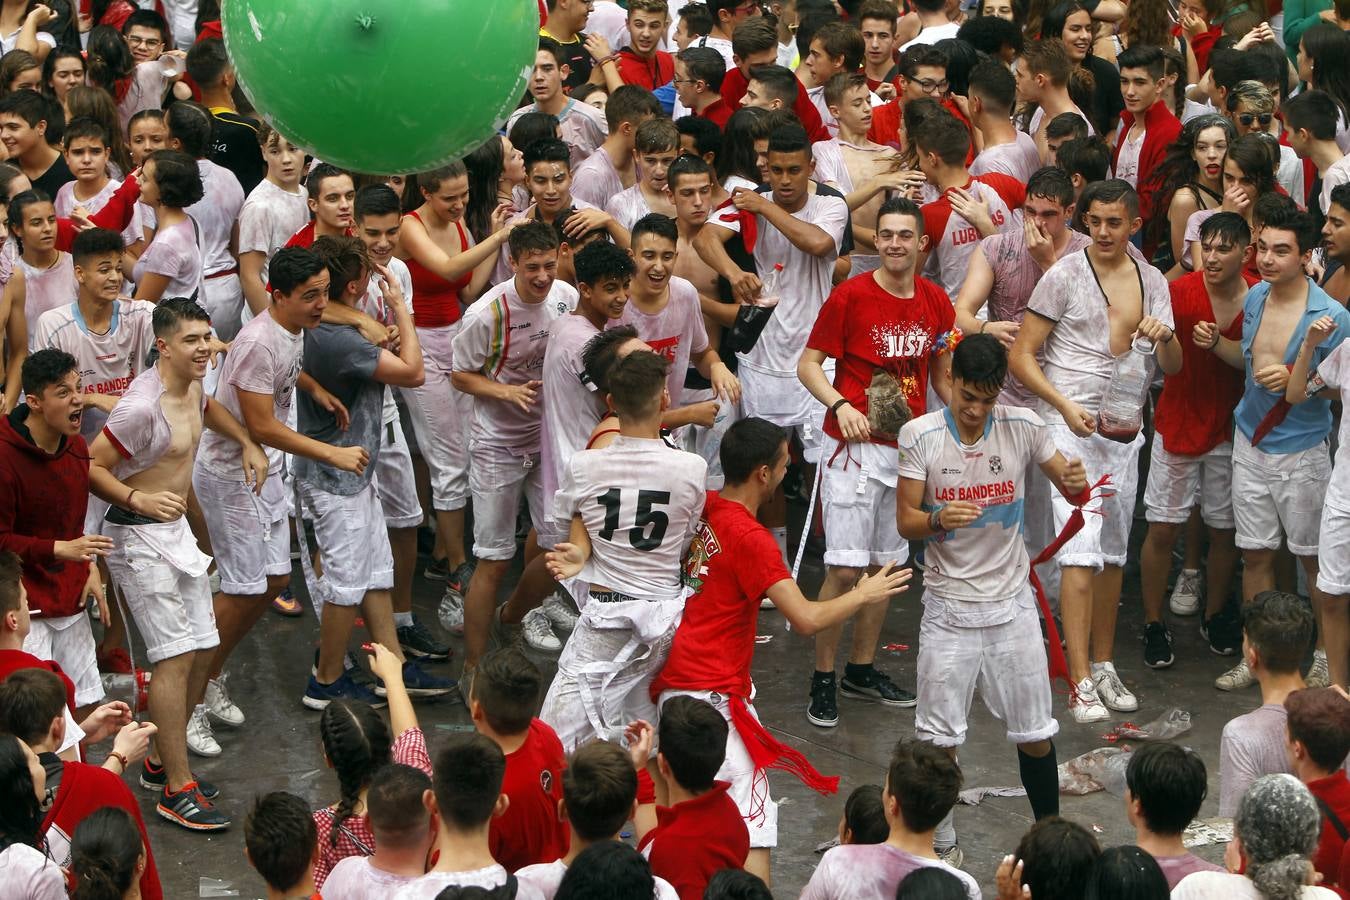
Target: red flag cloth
[767, 752]
[1272, 419]
[749, 223]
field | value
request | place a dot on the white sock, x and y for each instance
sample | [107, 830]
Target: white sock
[403, 620]
[780, 537]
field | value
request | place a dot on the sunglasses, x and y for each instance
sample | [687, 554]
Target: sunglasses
[1248, 118]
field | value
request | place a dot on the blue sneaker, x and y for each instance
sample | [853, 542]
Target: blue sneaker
[420, 683]
[318, 696]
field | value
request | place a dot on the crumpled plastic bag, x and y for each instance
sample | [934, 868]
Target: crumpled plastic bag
[1096, 770]
[973, 796]
[887, 408]
[1171, 723]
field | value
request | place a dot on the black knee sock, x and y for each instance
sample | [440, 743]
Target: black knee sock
[1040, 776]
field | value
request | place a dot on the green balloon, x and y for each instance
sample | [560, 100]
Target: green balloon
[383, 86]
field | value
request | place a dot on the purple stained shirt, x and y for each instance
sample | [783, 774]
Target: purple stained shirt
[871, 872]
[676, 332]
[1175, 868]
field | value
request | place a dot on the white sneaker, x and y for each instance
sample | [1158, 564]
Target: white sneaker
[1111, 689]
[1236, 678]
[766, 603]
[1087, 707]
[538, 633]
[219, 705]
[200, 740]
[953, 856]
[560, 613]
[451, 612]
[1318, 675]
[1186, 594]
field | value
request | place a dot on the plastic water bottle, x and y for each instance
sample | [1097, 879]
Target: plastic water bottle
[1121, 414]
[768, 292]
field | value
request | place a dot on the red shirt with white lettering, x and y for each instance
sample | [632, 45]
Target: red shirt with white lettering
[866, 328]
[530, 831]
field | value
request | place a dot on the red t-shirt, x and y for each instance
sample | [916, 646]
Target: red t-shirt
[717, 112]
[84, 789]
[1195, 412]
[12, 661]
[888, 123]
[733, 90]
[1334, 791]
[732, 562]
[530, 831]
[648, 73]
[696, 839]
[865, 328]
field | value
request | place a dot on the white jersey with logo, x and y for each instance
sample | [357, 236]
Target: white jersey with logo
[676, 332]
[268, 218]
[987, 560]
[952, 239]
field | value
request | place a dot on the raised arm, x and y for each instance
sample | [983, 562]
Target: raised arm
[1303, 381]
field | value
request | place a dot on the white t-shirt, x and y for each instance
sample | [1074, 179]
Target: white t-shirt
[872, 872]
[1336, 175]
[1289, 174]
[66, 201]
[146, 90]
[264, 358]
[547, 877]
[1019, 160]
[503, 337]
[933, 34]
[571, 408]
[1334, 372]
[107, 362]
[216, 214]
[721, 45]
[373, 305]
[583, 127]
[628, 206]
[29, 875]
[268, 218]
[1078, 358]
[432, 883]
[987, 560]
[46, 289]
[354, 878]
[952, 239]
[596, 180]
[803, 285]
[1231, 886]
[676, 332]
[176, 254]
[1038, 117]
[1127, 163]
[8, 42]
[138, 427]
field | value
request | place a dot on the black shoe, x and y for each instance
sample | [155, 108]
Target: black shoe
[1157, 646]
[823, 711]
[1223, 631]
[416, 640]
[437, 570]
[190, 809]
[153, 778]
[457, 582]
[879, 689]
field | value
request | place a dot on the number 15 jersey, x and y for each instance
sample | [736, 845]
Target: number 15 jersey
[641, 502]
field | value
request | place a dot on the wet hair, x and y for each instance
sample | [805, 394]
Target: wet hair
[1179, 167]
[530, 128]
[662, 226]
[902, 206]
[980, 360]
[841, 39]
[1112, 190]
[45, 368]
[108, 59]
[375, 200]
[780, 83]
[707, 136]
[178, 178]
[173, 311]
[1279, 824]
[547, 150]
[688, 164]
[600, 353]
[994, 85]
[1168, 780]
[1280, 627]
[1314, 110]
[839, 84]
[95, 242]
[1230, 66]
[29, 700]
[704, 64]
[1057, 858]
[357, 743]
[506, 685]
[20, 811]
[990, 34]
[484, 165]
[1229, 228]
[1257, 160]
[608, 870]
[737, 154]
[532, 237]
[345, 257]
[104, 853]
[14, 213]
[755, 35]
[630, 103]
[921, 55]
[83, 127]
[1070, 125]
[656, 136]
[193, 125]
[736, 884]
[692, 737]
[1051, 183]
[945, 136]
[698, 20]
[599, 787]
[1049, 58]
[467, 780]
[11, 579]
[207, 62]
[635, 385]
[322, 172]
[925, 781]
[394, 805]
[865, 815]
[1126, 873]
[1142, 56]
[930, 883]
[600, 260]
[1319, 718]
[280, 837]
[790, 139]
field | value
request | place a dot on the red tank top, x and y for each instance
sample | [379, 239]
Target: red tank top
[435, 300]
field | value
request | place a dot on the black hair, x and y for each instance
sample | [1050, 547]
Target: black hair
[172, 311]
[531, 127]
[1169, 782]
[902, 206]
[547, 150]
[961, 58]
[178, 178]
[737, 155]
[747, 445]
[655, 223]
[1179, 168]
[600, 352]
[599, 787]
[811, 21]
[704, 64]
[930, 883]
[980, 360]
[1229, 227]
[693, 740]
[1112, 190]
[506, 685]
[1052, 26]
[1281, 212]
[921, 55]
[924, 780]
[990, 34]
[17, 204]
[193, 125]
[946, 137]
[104, 852]
[376, 200]
[841, 39]
[467, 780]
[609, 870]
[994, 84]
[1126, 873]
[532, 237]
[30, 699]
[280, 837]
[736, 884]
[29, 106]
[108, 58]
[484, 165]
[636, 382]
[1088, 158]
[790, 139]
[1314, 110]
[1319, 718]
[1057, 858]
[147, 18]
[1228, 67]
[697, 18]
[45, 368]
[83, 127]
[1327, 48]
[20, 810]
[554, 49]
[95, 242]
[780, 82]
[357, 743]
[1067, 124]
[1143, 57]
[707, 136]
[1280, 627]
[394, 804]
[207, 62]
[755, 35]
[865, 815]
[1051, 183]
[688, 164]
[346, 259]
[1340, 195]
[314, 180]
[290, 267]
[630, 103]
[600, 260]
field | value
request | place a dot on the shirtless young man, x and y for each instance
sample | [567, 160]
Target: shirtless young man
[142, 465]
[1042, 75]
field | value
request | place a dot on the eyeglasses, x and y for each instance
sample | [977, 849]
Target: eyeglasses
[1247, 118]
[149, 43]
[929, 86]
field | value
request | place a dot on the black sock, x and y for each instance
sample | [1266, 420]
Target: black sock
[822, 676]
[1040, 776]
[858, 674]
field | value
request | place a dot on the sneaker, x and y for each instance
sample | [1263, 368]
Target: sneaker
[416, 640]
[765, 603]
[1236, 678]
[560, 614]
[952, 856]
[418, 682]
[537, 631]
[878, 688]
[200, 740]
[451, 611]
[285, 604]
[437, 570]
[505, 634]
[219, 706]
[1318, 674]
[823, 711]
[1087, 707]
[115, 662]
[457, 582]
[1186, 593]
[318, 696]
[1223, 630]
[153, 778]
[1158, 646]
[190, 809]
[1112, 690]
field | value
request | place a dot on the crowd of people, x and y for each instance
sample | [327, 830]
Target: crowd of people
[931, 277]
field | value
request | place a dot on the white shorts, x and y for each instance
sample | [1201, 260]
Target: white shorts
[93, 515]
[394, 481]
[707, 442]
[1105, 537]
[69, 642]
[1006, 662]
[353, 545]
[782, 400]
[1175, 480]
[441, 418]
[1279, 494]
[171, 608]
[250, 536]
[223, 299]
[858, 507]
[750, 794]
[498, 480]
[1333, 552]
